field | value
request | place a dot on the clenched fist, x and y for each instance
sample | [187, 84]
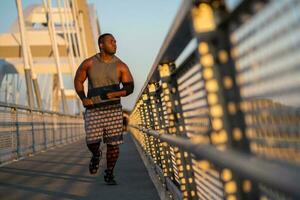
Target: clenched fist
[87, 102]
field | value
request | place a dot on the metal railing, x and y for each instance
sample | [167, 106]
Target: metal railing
[224, 122]
[24, 131]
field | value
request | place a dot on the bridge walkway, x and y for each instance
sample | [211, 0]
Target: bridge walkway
[62, 173]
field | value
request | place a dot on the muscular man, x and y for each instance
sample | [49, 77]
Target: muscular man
[103, 115]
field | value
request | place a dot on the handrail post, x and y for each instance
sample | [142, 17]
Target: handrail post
[45, 130]
[168, 169]
[144, 123]
[151, 92]
[30, 112]
[223, 97]
[149, 124]
[18, 141]
[182, 159]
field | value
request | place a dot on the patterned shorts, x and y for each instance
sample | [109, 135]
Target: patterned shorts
[104, 122]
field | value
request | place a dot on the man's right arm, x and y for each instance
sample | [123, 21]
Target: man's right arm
[80, 77]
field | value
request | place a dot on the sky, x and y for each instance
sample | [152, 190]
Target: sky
[139, 26]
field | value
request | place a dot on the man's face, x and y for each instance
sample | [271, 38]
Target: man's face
[109, 45]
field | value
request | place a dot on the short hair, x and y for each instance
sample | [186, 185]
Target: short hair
[102, 36]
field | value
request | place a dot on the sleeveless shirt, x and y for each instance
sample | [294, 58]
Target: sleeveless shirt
[103, 78]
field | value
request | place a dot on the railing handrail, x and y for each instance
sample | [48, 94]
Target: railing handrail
[283, 178]
[22, 107]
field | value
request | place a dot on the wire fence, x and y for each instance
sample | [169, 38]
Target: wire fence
[24, 131]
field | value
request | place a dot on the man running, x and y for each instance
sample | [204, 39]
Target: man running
[103, 115]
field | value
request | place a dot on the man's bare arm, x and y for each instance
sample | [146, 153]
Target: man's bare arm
[127, 82]
[80, 77]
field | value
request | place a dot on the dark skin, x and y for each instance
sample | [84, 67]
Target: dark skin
[107, 48]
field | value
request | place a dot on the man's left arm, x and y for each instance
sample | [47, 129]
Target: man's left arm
[127, 82]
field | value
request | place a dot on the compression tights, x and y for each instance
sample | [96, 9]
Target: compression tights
[112, 154]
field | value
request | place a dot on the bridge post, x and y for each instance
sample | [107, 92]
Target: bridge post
[155, 123]
[145, 122]
[182, 164]
[165, 150]
[161, 148]
[30, 112]
[29, 75]
[77, 51]
[223, 97]
[52, 34]
[45, 130]
[18, 147]
[150, 124]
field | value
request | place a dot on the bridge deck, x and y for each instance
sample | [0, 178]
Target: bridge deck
[62, 173]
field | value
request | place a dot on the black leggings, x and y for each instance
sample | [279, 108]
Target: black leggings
[112, 154]
[94, 148]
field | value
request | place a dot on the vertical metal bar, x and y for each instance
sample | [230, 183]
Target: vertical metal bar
[19, 154]
[67, 40]
[29, 88]
[33, 131]
[34, 80]
[53, 128]
[80, 23]
[55, 92]
[154, 125]
[73, 42]
[70, 122]
[144, 124]
[149, 123]
[222, 93]
[59, 129]
[188, 177]
[45, 130]
[66, 36]
[164, 72]
[163, 148]
[214, 96]
[168, 169]
[71, 25]
[37, 92]
[27, 68]
[81, 26]
[51, 28]
[234, 117]
[183, 162]
[80, 41]
[74, 18]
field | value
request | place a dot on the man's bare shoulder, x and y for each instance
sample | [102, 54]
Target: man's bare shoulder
[87, 63]
[121, 65]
